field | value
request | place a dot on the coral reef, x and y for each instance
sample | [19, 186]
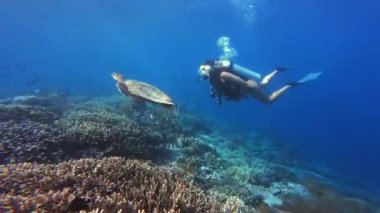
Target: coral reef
[221, 164]
[109, 184]
[191, 125]
[110, 133]
[233, 204]
[27, 133]
[40, 129]
[222, 172]
[18, 112]
[247, 194]
[324, 199]
[157, 118]
[197, 159]
[54, 101]
[265, 173]
[29, 141]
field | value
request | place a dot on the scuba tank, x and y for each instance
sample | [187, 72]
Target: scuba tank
[241, 71]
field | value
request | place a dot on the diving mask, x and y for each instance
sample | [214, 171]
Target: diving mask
[204, 71]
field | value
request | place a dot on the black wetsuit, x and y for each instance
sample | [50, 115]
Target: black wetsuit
[228, 89]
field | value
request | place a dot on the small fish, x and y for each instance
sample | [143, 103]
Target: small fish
[36, 80]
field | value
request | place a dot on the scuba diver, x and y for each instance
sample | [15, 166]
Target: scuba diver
[235, 82]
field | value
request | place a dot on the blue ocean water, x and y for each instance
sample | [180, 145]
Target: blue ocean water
[334, 121]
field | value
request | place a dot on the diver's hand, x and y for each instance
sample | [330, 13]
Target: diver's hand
[219, 100]
[212, 94]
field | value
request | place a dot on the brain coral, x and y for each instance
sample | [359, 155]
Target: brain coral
[110, 184]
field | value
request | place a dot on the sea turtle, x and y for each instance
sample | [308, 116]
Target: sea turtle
[141, 90]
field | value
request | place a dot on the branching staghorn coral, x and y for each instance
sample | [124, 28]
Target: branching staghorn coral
[110, 184]
[36, 130]
[29, 141]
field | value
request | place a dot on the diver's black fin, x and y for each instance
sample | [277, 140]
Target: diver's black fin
[293, 84]
[281, 69]
[307, 78]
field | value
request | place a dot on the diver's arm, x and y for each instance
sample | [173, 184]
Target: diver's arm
[219, 99]
[212, 93]
[217, 95]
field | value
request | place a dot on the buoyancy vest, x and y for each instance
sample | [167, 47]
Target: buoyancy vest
[228, 89]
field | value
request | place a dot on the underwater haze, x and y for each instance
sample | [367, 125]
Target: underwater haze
[330, 125]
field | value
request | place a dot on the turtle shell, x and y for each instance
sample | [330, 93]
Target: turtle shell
[148, 92]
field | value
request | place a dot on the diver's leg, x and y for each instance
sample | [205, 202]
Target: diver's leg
[253, 88]
[270, 76]
[229, 77]
[250, 87]
[258, 93]
[277, 94]
[245, 87]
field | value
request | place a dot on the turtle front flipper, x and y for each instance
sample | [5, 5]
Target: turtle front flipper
[122, 87]
[120, 83]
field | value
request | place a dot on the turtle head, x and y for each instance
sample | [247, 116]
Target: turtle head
[117, 77]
